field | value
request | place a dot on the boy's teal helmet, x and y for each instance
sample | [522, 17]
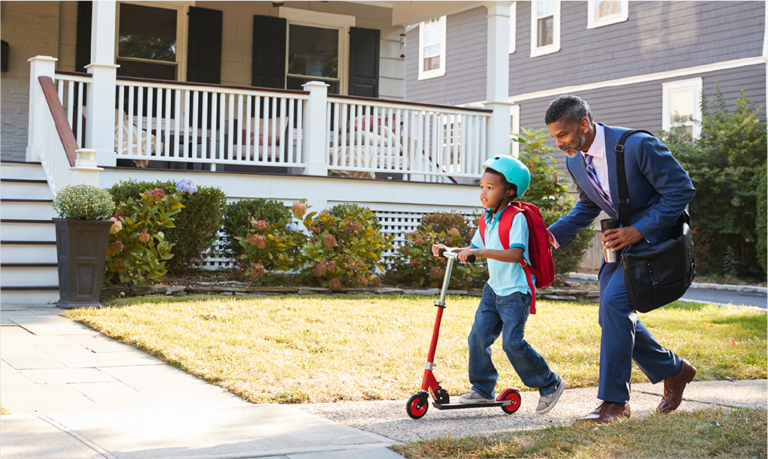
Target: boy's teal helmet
[512, 169]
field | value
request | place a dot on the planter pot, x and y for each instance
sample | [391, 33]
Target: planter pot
[81, 251]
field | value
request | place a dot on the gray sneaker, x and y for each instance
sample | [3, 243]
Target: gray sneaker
[547, 402]
[473, 397]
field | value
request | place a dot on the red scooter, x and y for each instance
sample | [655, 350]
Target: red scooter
[508, 400]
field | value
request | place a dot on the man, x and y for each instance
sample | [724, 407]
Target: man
[659, 191]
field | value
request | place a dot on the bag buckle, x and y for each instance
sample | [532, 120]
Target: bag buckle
[619, 148]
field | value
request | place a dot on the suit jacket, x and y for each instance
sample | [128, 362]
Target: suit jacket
[657, 185]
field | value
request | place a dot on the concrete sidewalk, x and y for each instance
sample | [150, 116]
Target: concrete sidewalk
[74, 393]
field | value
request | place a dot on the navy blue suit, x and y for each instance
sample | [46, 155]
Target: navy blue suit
[659, 189]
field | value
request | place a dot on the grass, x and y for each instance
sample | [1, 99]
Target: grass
[294, 349]
[700, 434]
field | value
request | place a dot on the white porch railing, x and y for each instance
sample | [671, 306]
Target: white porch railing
[303, 132]
[57, 154]
[181, 122]
[424, 142]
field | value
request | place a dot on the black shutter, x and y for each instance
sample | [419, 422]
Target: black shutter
[269, 52]
[83, 42]
[364, 62]
[204, 52]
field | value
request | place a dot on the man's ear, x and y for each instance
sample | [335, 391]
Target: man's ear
[584, 125]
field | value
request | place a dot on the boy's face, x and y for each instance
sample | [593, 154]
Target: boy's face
[491, 190]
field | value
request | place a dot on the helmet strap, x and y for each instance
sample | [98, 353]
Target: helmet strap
[505, 198]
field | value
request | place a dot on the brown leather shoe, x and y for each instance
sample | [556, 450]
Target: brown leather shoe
[607, 412]
[674, 387]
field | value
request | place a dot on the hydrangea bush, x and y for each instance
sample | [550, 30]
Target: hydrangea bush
[345, 247]
[272, 247]
[84, 202]
[138, 249]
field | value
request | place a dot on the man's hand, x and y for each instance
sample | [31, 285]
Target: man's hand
[619, 238]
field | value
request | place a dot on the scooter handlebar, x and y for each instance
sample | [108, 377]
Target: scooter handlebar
[455, 256]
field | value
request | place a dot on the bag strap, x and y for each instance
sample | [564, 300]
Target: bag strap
[622, 177]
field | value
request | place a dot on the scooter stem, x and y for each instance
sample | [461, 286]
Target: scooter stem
[446, 281]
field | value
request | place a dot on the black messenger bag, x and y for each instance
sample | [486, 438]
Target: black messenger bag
[661, 273]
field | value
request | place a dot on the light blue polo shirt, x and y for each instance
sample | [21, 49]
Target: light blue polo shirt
[505, 278]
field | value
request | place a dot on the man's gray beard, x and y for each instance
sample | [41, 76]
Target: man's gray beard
[576, 146]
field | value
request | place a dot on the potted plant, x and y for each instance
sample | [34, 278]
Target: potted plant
[82, 235]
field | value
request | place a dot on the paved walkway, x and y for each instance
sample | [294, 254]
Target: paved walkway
[73, 393]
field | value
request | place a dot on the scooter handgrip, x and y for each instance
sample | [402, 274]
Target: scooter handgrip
[455, 256]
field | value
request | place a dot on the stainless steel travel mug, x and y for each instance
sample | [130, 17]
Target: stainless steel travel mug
[608, 253]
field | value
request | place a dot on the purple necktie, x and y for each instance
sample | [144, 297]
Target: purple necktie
[592, 174]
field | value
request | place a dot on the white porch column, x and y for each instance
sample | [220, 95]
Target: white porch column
[39, 66]
[497, 96]
[315, 143]
[100, 125]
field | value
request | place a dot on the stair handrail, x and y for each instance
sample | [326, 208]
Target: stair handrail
[66, 136]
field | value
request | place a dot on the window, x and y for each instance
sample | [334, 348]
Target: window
[606, 12]
[318, 48]
[432, 48]
[682, 107]
[512, 26]
[313, 55]
[149, 41]
[545, 27]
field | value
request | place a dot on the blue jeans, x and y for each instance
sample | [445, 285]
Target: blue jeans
[505, 315]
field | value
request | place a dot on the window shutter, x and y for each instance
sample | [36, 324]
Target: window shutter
[364, 62]
[204, 52]
[269, 52]
[83, 41]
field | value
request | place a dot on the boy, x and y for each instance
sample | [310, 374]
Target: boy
[504, 307]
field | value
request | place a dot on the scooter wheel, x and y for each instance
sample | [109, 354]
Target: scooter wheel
[515, 405]
[417, 406]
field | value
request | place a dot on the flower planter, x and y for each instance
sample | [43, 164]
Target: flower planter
[81, 250]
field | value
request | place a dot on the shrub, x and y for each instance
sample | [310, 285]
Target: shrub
[762, 219]
[724, 165]
[344, 251]
[443, 222]
[272, 247]
[196, 226]
[84, 202]
[345, 211]
[238, 216]
[416, 264]
[549, 191]
[138, 248]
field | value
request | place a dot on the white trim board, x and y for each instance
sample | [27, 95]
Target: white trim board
[724, 65]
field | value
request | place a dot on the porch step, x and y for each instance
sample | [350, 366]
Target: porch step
[29, 277]
[25, 188]
[27, 209]
[28, 268]
[20, 230]
[12, 169]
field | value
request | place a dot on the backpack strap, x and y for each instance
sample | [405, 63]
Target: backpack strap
[505, 226]
[621, 175]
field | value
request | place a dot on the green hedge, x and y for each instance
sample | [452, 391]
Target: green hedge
[197, 225]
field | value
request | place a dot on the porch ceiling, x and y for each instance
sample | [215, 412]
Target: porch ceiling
[406, 13]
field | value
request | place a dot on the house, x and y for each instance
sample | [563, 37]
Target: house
[280, 100]
[639, 64]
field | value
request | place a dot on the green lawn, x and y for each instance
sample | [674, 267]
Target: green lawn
[293, 349]
[708, 433]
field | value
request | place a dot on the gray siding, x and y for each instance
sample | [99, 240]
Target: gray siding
[465, 63]
[659, 36]
[639, 106]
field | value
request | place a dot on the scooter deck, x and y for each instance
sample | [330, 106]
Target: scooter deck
[458, 406]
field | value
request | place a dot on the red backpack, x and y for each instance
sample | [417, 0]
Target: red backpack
[542, 265]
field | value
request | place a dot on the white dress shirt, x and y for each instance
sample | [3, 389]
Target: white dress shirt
[597, 151]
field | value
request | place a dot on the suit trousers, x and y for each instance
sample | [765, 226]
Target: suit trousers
[624, 339]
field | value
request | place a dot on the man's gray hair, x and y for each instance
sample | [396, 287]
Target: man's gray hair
[567, 108]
